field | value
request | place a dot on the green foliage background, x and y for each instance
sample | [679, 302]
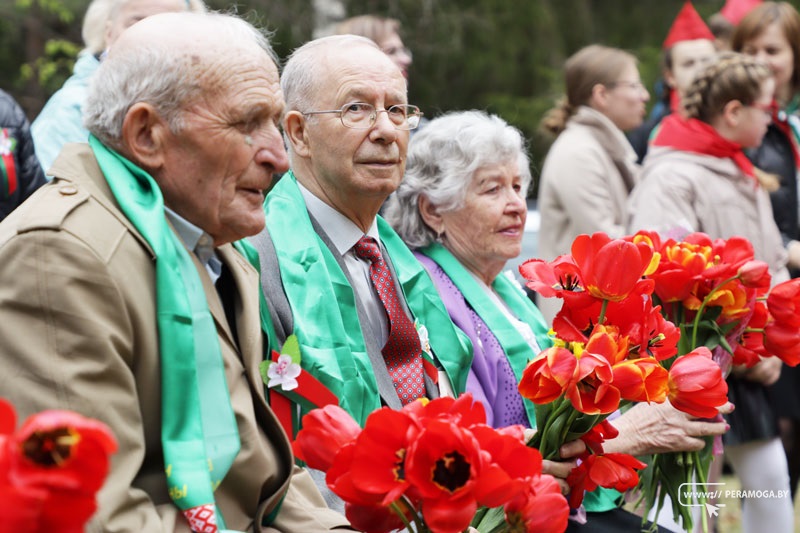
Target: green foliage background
[504, 56]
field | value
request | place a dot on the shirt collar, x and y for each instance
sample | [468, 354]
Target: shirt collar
[343, 233]
[196, 240]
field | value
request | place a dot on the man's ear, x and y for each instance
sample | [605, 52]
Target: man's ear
[732, 113]
[144, 134]
[430, 214]
[294, 125]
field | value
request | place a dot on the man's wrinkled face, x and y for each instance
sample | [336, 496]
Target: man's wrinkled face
[221, 162]
[358, 163]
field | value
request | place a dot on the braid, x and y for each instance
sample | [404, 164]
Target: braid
[556, 119]
[731, 77]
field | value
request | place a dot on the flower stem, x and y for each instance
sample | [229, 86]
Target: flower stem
[703, 305]
[602, 316]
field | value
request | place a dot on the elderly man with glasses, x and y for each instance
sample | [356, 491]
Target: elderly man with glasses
[370, 325]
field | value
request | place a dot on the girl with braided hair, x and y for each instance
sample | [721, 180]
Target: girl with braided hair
[696, 177]
[771, 33]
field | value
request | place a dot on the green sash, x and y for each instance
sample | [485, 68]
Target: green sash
[198, 431]
[518, 351]
[324, 306]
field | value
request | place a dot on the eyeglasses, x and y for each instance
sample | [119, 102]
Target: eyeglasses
[638, 85]
[361, 116]
[768, 109]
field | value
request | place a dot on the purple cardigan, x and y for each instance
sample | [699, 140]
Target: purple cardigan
[491, 379]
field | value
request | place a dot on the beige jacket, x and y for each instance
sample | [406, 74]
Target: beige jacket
[683, 192]
[587, 176]
[78, 330]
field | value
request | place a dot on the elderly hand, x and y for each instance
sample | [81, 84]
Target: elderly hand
[767, 371]
[561, 469]
[658, 428]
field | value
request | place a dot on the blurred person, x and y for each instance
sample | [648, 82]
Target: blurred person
[591, 167]
[61, 119]
[723, 23]
[385, 32]
[463, 217]
[688, 47]
[771, 33]
[697, 178]
[369, 325]
[120, 272]
[20, 171]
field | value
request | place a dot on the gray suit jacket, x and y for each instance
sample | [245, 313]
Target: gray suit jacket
[281, 310]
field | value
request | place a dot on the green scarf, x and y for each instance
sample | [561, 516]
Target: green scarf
[517, 350]
[198, 431]
[324, 306]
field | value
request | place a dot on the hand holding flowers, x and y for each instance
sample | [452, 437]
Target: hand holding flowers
[655, 321]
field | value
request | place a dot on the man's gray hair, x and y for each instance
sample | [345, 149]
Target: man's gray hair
[161, 75]
[301, 74]
[442, 160]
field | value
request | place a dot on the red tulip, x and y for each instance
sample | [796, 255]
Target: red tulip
[512, 464]
[463, 411]
[548, 375]
[733, 297]
[591, 390]
[610, 268]
[379, 457]
[696, 385]
[641, 380]
[540, 509]
[783, 341]
[730, 255]
[784, 302]
[749, 347]
[681, 266]
[755, 274]
[324, 432]
[445, 464]
[51, 469]
[608, 343]
[374, 518]
[599, 433]
[552, 279]
[611, 470]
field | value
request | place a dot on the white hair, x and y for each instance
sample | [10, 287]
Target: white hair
[442, 160]
[102, 12]
[164, 75]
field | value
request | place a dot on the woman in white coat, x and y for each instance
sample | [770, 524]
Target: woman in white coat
[591, 167]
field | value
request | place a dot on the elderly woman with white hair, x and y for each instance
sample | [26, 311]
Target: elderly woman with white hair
[461, 207]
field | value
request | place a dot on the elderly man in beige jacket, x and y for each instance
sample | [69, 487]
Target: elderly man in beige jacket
[108, 274]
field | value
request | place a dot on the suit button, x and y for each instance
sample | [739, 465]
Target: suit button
[68, 190]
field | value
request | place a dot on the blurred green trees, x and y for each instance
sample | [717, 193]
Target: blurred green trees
[504, 56]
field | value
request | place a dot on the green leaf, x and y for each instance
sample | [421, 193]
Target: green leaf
[263, 367]
[292, 348]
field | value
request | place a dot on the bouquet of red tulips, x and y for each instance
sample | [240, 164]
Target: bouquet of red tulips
[646, 320]
[50, 470]
[433, 466]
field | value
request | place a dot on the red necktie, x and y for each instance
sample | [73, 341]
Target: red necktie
[403, 351]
